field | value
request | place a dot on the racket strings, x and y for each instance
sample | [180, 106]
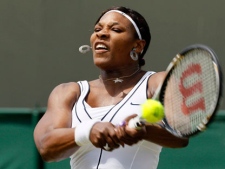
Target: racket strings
[191, 92]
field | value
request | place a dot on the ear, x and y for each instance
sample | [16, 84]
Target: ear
[139, 46]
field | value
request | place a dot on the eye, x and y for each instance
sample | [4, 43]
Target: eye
[117, 30]
[97, 29]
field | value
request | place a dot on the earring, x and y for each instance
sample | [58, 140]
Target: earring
[84, 49]
[133, 55]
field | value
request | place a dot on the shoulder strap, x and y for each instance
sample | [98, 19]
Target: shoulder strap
[84, 89]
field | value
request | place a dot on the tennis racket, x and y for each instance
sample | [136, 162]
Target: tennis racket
[190, 92]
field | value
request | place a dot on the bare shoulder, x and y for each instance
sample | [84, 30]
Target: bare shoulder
[65, 93]
[66, 87]
[157, 77]
[154, 81]
[58, 113]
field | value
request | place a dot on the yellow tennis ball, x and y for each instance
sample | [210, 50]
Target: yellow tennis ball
[152, 111]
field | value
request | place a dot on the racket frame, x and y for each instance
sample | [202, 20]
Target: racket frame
[159, 94]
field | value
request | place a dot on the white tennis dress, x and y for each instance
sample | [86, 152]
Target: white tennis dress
[144, 155]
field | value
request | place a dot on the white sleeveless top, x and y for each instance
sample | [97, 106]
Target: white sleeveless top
[144, 155]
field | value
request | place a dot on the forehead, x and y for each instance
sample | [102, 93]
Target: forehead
[114, 17]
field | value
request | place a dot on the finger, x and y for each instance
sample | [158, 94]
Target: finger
[119, 135]
[134, 133]
[127, 119]
[98, 139]
[131, 137]
[99, 142]
[124, 137]
[112, 141]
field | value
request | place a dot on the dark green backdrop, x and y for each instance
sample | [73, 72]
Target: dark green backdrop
[39, 40]
[17, 150]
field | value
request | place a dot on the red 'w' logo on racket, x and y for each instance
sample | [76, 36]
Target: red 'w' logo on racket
[191, 90]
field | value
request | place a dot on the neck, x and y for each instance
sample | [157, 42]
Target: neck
[120, 78]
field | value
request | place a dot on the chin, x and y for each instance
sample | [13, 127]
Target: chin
[101, 63]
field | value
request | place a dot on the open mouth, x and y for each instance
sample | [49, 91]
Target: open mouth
[101, 46]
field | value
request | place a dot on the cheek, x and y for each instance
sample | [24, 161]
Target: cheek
[92, 38]
[124, 45]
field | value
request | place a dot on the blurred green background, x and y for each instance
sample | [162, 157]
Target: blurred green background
[17, 150]
[39, 41]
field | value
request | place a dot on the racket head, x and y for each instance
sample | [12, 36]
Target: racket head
[191, 90]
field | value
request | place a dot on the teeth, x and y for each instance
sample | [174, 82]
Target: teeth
[101, 46]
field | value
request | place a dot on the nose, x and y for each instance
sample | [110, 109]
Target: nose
[103, 34]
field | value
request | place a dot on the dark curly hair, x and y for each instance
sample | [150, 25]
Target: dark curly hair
[141, 24]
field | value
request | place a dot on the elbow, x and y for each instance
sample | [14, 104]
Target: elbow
[46, 155]
[49, 152]
[46, 152]
[185, 143]
[182, 143]
[178, 143]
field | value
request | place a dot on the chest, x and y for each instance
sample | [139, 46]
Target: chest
[108, 109]
[101, 97]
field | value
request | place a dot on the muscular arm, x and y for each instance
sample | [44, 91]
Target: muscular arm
[53, 134]
[160, 136]
[155, 133]
[152, 133]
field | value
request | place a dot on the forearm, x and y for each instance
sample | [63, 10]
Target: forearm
[162, 137]
[57, 144]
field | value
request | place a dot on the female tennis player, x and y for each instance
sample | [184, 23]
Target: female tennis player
[83, 119]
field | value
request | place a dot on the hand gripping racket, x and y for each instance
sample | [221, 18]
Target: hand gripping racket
[190, 92]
